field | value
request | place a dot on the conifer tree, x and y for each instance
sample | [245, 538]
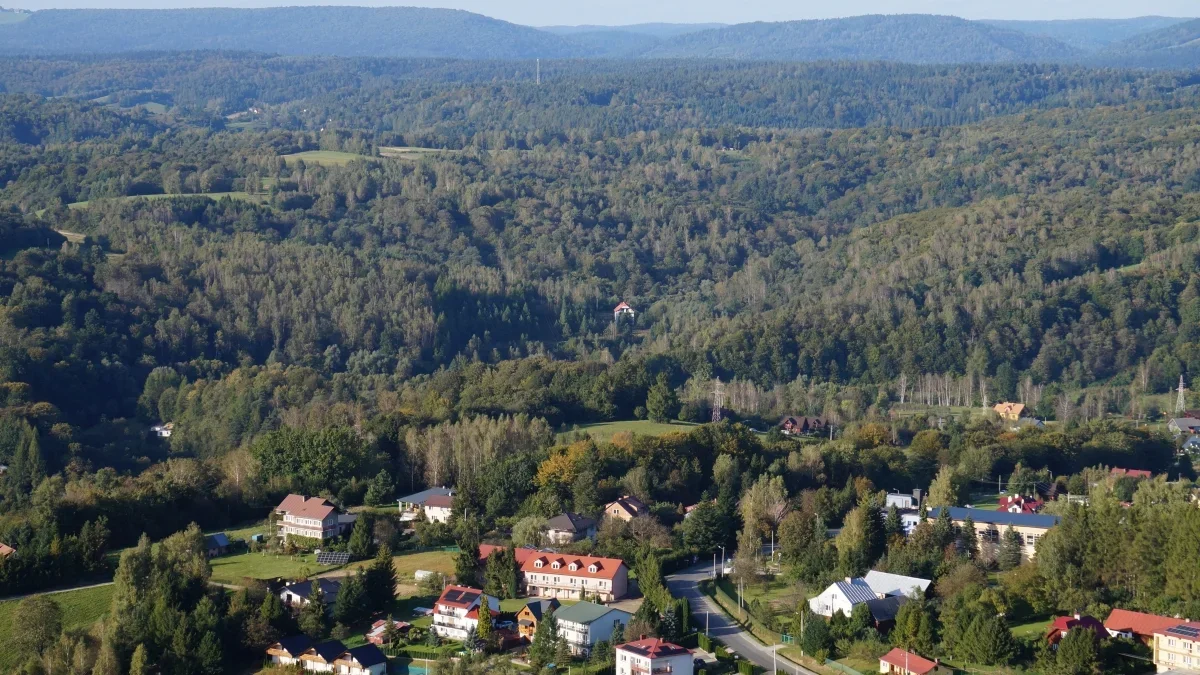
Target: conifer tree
[969, 539]
[312, 615]
[1010, 549]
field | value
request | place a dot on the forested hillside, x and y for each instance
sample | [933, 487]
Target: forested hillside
[911, 38]
[436, 33]
[1019, 249]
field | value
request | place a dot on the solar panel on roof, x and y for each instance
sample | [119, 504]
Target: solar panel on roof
[332, 558]
[1186, 631]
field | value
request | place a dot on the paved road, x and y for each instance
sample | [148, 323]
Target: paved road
[685, 584]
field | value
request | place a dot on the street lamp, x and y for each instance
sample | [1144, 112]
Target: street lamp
[722, 560]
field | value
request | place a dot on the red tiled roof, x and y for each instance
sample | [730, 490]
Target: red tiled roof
[606, 568]
[909, 661]
[443, 501]
[6, 550]
[523, 554]
[1138, 623]
[621, 306]
[462, 597]
[1132, 473]
[1192, 625]
[1063, 624]
[474, 614]
[298, 505]
[654, 648]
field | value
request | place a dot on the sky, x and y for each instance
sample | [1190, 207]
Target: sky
[616, 12]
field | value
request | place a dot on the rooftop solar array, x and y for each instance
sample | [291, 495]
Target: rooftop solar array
[332, 558]
[1185, 631]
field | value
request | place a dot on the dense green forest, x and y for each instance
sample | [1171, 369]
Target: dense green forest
[1153, 42]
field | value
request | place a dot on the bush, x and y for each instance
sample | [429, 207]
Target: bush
[704, 642]
[745, 668]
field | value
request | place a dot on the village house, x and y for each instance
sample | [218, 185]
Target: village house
[802, 426]
[1132, 473]
[163, 430]
[990, 527]
[378, 633]
[297, 594]
[622, 311]
[1177, 647]
[413, 504]
[1183, 425]
[327, 657]
[438, 508]
[626, 508]
[456, 612]
[1020, 504]
[906, 663]
[584, 624]
[568, 528]
[902, 501]
[531, 614]
[1010, 412]
[1137, 625]
[653, 655]
[216, 544]
[842, 596]
[1064, 624]
[313, 518]
[6, 550]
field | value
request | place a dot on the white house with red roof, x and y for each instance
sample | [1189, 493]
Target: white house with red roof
[623, 310]
[568, 577]
[653, 655]
[1137, 625]
[906, 663]
[456, 612]
[311, 517]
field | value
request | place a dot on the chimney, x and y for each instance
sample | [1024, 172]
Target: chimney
[643, 637]
[849, 580]
[1077, 617]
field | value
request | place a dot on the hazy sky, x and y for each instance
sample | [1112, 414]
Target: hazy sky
[610, 12]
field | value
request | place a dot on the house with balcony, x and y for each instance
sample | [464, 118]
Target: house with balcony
[1177, 648]
[584, 624]
[327, 657]
[456, 612]
[653, 656]
[531, 614]
[309, 517]
[573, 577]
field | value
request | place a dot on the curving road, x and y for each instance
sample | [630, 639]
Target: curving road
[686, 584]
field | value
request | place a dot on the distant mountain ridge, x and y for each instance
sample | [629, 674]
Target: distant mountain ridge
[1155, 42]
[911, 38]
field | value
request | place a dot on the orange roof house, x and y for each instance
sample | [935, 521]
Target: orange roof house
[1137, 625]
[905, 663]
[1009, 411]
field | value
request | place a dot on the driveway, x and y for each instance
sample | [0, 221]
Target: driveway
[686, 584]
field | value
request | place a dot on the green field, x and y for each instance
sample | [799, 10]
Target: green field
[407, 565]
[233, 569]
[397, 152]
[80, 608]
[604, 431]
[1036, 628]
[324, 157]
[211, 195]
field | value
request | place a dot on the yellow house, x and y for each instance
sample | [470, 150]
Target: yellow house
[990, 527]
[1010, 412]
[1177, 648]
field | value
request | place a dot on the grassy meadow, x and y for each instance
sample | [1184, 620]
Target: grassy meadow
[81, 608]
[324, 157]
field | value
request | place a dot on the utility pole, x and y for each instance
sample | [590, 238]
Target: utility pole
[1180, 404]
[718, 402]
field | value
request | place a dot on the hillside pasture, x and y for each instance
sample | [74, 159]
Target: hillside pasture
[323, 157]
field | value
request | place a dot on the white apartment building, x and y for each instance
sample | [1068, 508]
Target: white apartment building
[1178, 648]
[456, 612]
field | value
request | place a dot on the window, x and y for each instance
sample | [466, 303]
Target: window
[538, 564]
[555, 565]
[592, 569]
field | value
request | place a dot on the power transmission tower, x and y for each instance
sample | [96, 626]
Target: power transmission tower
[1180, 404]
[718, 400]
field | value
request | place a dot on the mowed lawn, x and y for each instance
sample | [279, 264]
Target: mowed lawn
[438, 562]
[325, 157]
[604, 431]
[398, 152]
[234, 569]
[80, 609]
